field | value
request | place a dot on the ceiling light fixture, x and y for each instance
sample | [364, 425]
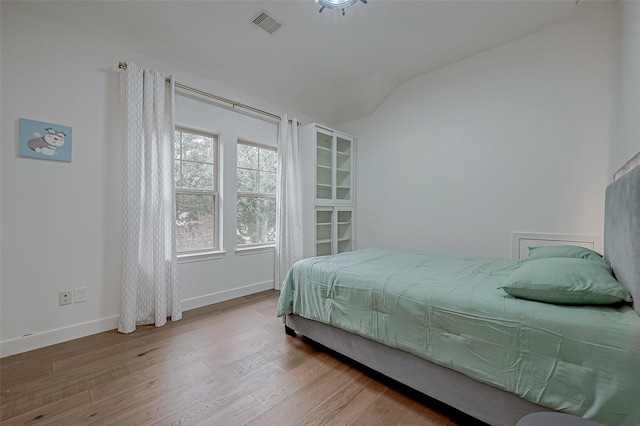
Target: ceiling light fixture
[337, 4]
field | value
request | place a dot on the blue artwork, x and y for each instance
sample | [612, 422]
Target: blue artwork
[47, 141]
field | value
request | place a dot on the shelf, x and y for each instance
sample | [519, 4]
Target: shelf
[323, 218]
[333, 227]
[325, 252]
[343, 145]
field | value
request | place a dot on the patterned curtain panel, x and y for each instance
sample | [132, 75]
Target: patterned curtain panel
[288, 200]
[149, 285]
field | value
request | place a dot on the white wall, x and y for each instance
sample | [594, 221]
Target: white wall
[61, 222]
[206, 282]
[626, 141]
[514, 139]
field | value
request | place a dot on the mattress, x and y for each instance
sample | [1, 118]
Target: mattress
[582, 360]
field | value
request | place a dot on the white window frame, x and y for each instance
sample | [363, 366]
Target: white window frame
[215, 251]
[254, 247]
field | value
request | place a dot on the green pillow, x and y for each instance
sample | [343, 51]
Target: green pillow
[566, 281]
[577, 252]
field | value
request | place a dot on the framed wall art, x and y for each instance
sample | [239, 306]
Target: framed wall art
[47, 141]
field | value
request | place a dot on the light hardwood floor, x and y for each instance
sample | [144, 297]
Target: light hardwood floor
[224, 364]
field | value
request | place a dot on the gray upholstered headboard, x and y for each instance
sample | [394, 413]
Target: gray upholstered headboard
[622, 231]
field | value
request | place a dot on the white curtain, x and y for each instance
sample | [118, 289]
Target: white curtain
[288, 200]
[149, 288]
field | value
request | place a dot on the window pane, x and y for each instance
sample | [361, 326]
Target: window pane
[257, 169]
[247, 156]
[256, 220]
[247, 180]
[268, 160]
[256, 172]
[197, 148]
[267, 183]
[194, 221]
[196, 175]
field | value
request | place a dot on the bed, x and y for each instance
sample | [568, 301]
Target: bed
[469, 334]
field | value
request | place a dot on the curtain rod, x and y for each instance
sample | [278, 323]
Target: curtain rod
[234, 104]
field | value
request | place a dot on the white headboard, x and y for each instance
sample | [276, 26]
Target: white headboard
[521, 241]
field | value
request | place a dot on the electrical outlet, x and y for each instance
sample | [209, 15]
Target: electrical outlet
[64, 297]
[79, 295]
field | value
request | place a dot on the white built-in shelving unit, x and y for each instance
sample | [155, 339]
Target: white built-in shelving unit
[328, 191]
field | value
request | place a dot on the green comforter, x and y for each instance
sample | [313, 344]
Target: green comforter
[583, 360]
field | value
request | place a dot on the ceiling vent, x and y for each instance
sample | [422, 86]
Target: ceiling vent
[266, 22]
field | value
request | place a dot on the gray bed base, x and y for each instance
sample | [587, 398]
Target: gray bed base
[485, 402]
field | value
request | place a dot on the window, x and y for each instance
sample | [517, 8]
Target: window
[196, 174]
[256, 168]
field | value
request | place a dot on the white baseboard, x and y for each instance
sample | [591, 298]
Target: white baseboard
[59, 335]
[222, 296]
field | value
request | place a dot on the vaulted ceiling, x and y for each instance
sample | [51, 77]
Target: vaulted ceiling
[331, 67]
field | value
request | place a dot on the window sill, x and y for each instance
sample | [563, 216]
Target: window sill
[199, 257]
[255, 250]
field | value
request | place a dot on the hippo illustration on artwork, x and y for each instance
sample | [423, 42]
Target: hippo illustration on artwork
[48, 143]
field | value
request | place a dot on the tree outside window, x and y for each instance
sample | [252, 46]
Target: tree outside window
[196, 179]
[256, 170]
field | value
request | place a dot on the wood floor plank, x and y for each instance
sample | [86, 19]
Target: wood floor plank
[157, 378]
[386, 409]
[11, 359]
[63, 384]
[24, 373]
[245, 365]
[223, 350]
[116, 352]
[64, 350]
[311, 371]
[288, 352]
[225, 326]
[137, 408]
[51, 413]
[222, 355]
[238, 413]
[291, 407]
[224, 364]
[196, 407]
[422, 416]
[346, 403]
